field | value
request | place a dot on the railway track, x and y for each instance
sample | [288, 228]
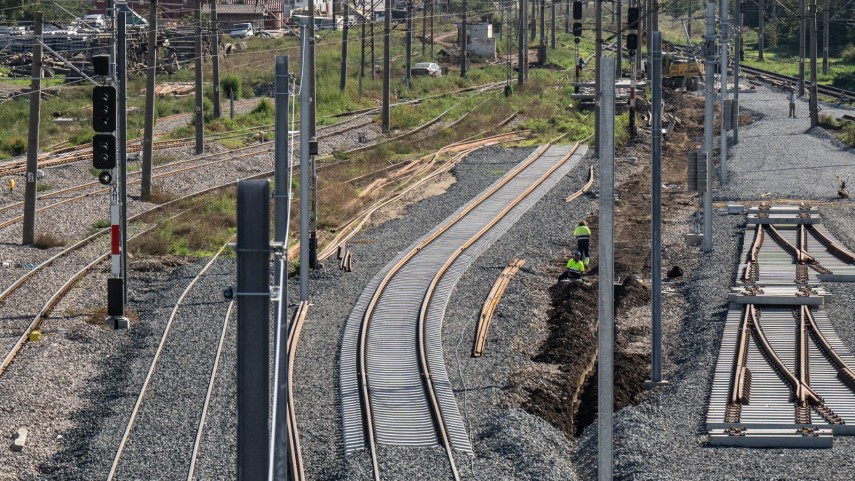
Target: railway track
[392, 374]
[146, 420]
[787, 81]
[783, 378]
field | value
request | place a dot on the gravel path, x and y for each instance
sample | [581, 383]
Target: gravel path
[779, 157]
[665, 437]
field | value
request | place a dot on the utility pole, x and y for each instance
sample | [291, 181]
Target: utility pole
[606, 330]
[344, 34]
[552, 28]
[464, 44]
[724, 28]
[618, 41]
[522, 55]
[200, 119]
[409, 43]
[432, 3]
[814, 107]
[424, 28]
[29, 234]
[148, 128]
[761, 29]
[709, 72]
[387, 53]
[598, 55]
[282, 203]
[305, 134]
[825, 37]
[541, 52]
[736, 62]
[567, 16]
[313, 117]
[802, 34]
[689, 21]
[533, 21]
[656, 213]
[371, 24]
[215, 52]
[633, 63]
[362, 50]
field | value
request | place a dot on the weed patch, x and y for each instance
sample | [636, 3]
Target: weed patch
[45, 240]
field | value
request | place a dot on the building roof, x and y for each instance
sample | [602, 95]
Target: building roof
[236, 9]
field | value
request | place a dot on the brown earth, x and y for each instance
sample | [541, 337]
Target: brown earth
[560, 384]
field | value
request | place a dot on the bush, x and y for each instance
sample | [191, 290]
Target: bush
[849, 134]
[265, 107]
[231, 83]
[207, 109]
[15, 145]
[46, 241]
[848, 54]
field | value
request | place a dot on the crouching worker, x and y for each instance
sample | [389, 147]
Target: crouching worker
[575, 268]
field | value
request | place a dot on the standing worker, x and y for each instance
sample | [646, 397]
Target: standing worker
[583, 242]
[575, 268]
[792, 98]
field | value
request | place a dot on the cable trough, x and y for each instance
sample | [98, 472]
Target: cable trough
[394, 386]
[783, 377]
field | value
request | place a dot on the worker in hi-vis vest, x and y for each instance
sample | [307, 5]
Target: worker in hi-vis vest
[575, 267]
[583, 242]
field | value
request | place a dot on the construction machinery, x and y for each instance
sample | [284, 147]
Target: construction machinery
[676, 67]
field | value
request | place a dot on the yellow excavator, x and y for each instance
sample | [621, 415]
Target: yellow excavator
[675, 67]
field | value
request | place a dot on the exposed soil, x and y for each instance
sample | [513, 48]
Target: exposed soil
[561, 384]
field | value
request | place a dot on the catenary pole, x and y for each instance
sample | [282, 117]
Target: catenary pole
[709, 89]
[825, 8]
[606, 337]
[802, 35]
[724, 30]
[464, 44]
[253, 325]
[29, 233]
[148, 128]
[552, 26]
[122, 138]
[200, 118]
[362, 49]
[656, 211]
[408, 42]
[281, 203]
[736, 63]
[305, 134]
[761, 29]
[522, 35]
[618, 40]
[387, 33]
[814, 104]
[345, 31]
[313, 117]
[215, 57]
[598, 55]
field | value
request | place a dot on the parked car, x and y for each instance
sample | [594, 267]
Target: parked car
[95, 20]
[426, 68]
[242, 30]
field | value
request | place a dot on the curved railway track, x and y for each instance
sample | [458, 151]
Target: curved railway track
[827, 90]
[394, 382]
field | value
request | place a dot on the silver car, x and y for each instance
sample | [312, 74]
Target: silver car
[426, 68]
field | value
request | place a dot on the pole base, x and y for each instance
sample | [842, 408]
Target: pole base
[654, 384]
[119, 322]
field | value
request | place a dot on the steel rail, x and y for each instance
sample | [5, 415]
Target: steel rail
[59, 295]
[827, 90]
[802, 392]
[295, 453]
[844, 372]
[422, 353]
[799, 256]
[752, 268]
[836, 249]
[115, 464]
[491, 302]
[740, 387]
[362, 374]
[585, 188]
[197, 443]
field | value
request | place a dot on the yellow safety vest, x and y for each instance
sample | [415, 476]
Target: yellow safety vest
[576, 266]
[582, 232]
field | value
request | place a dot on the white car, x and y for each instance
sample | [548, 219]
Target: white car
[426, 68]
[242, 30]
[96, 21]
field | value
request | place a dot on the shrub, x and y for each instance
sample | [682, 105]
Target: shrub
[849, 134]
[207, 109]
[231, 83]
[46, 240]
[265, 107]
[848, 54]
[16, 145]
